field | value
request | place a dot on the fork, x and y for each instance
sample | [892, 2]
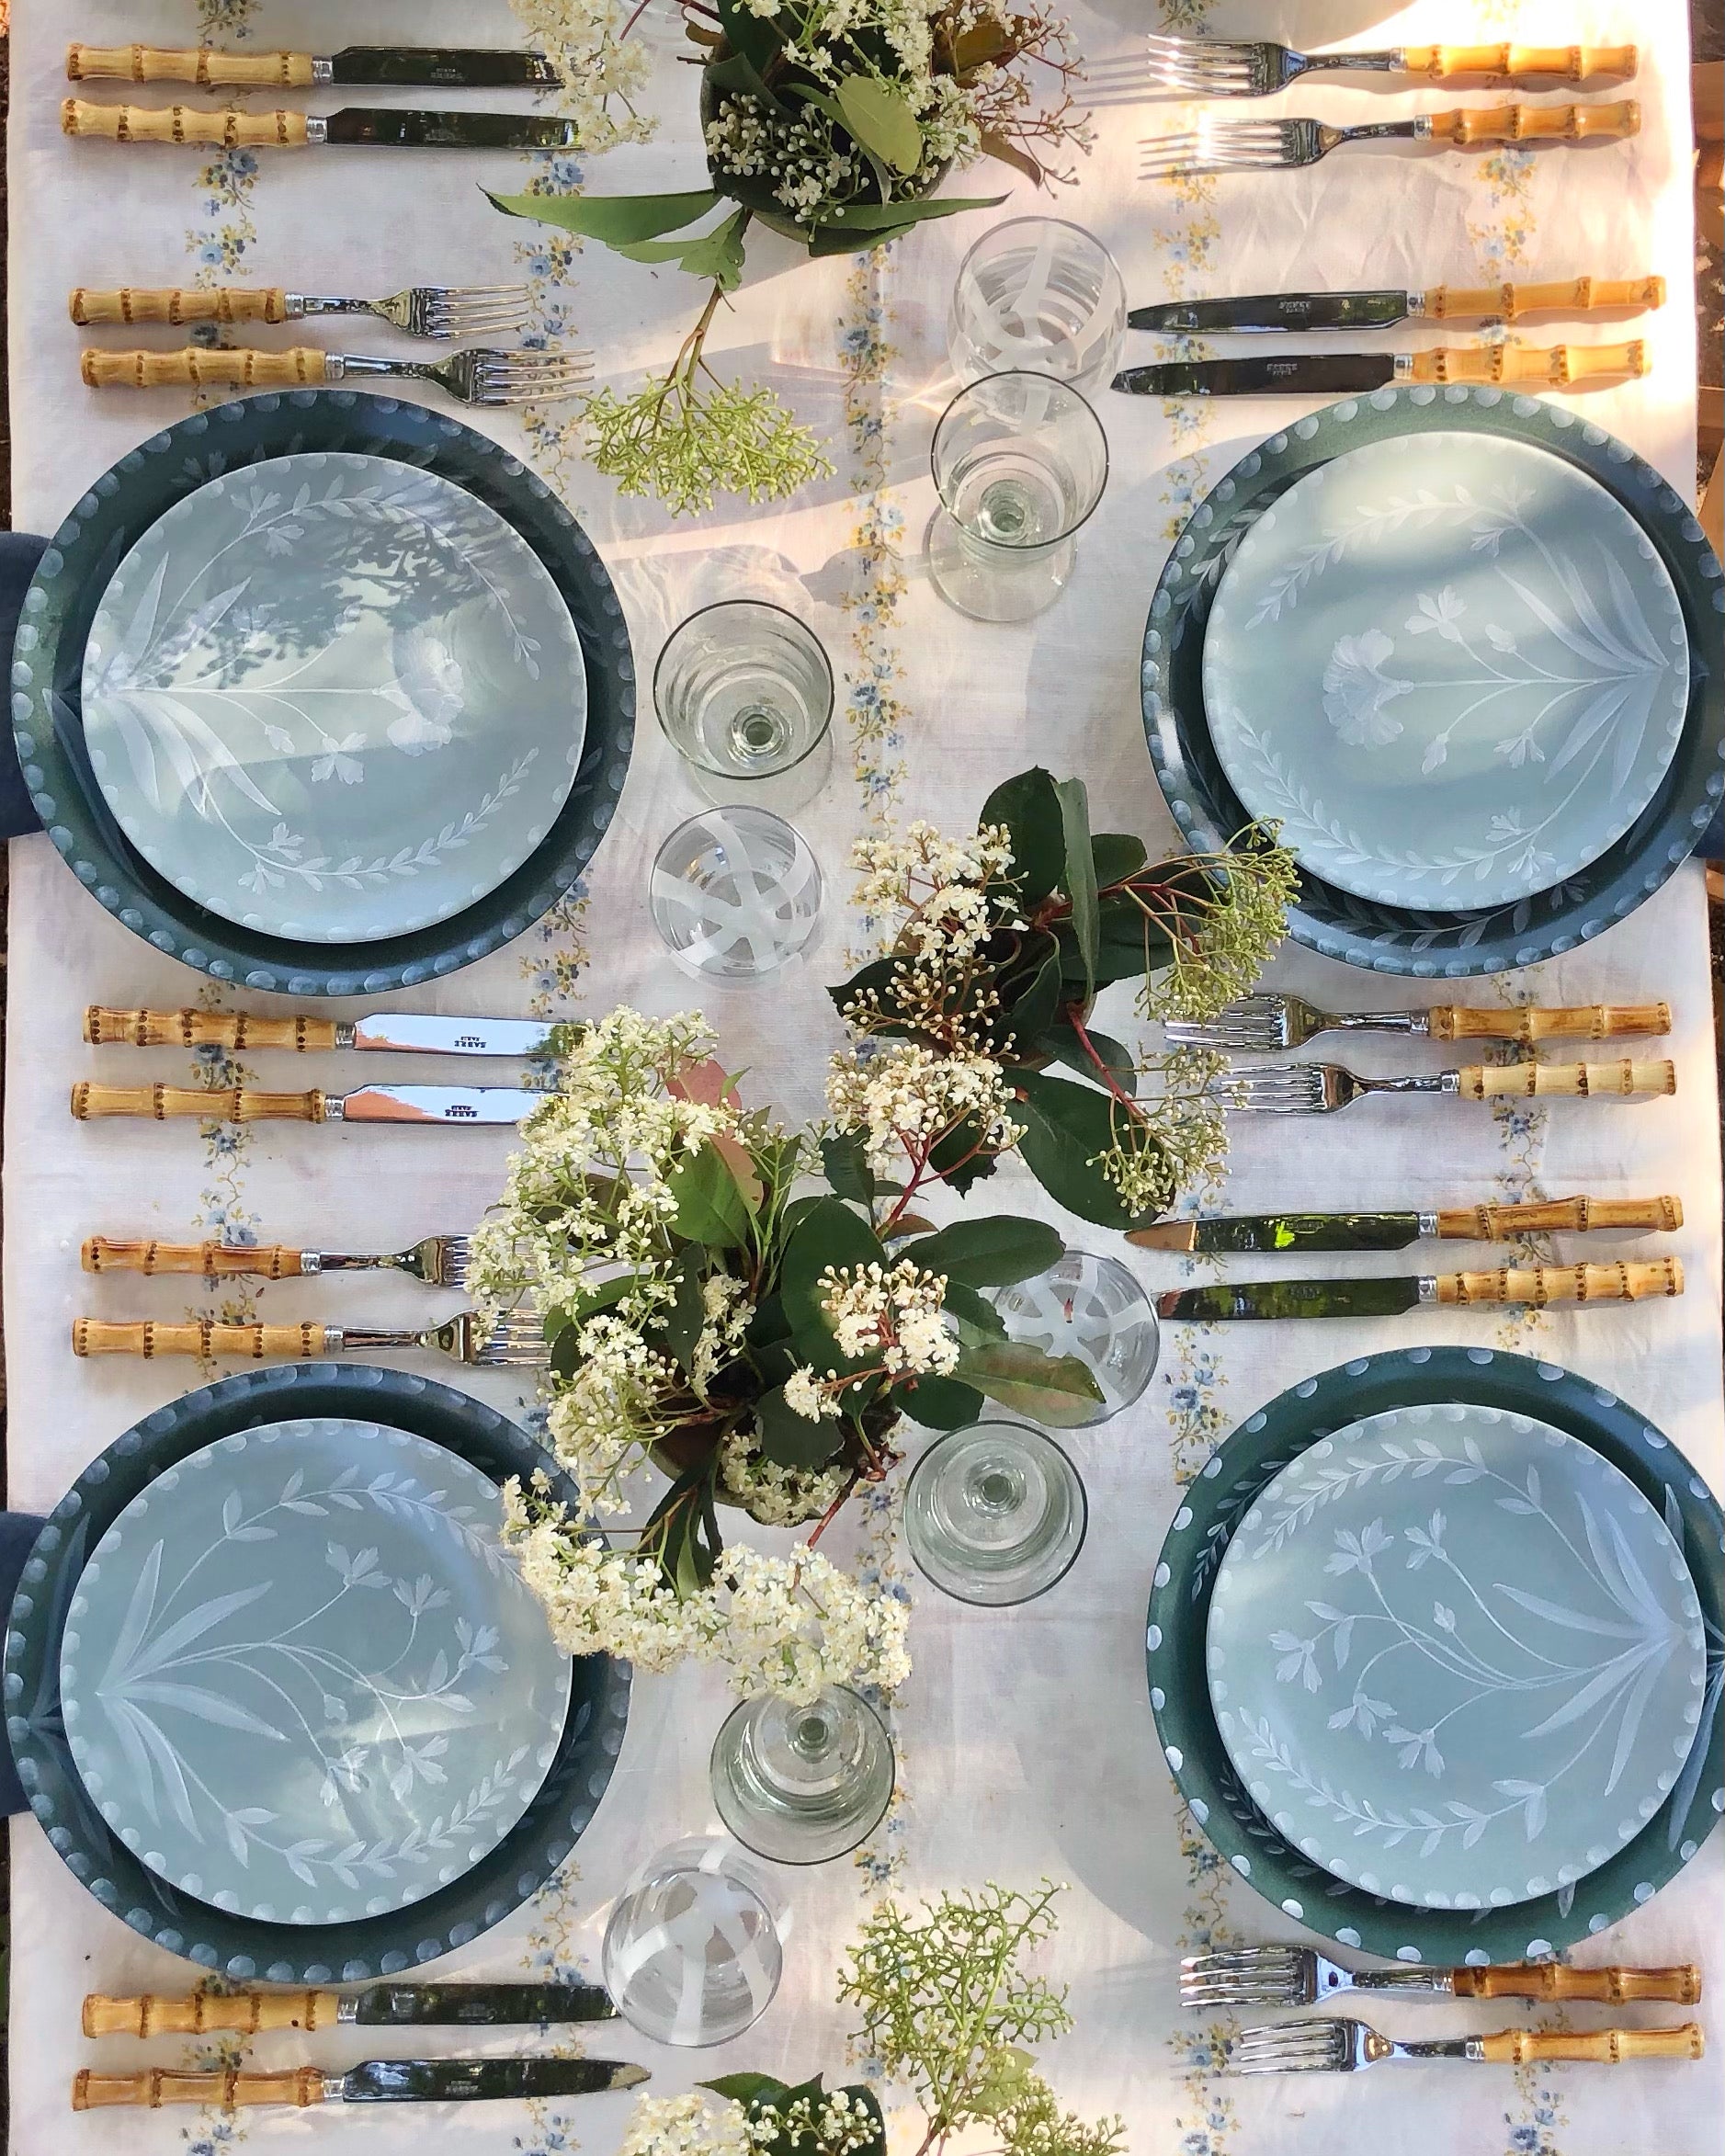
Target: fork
[1322, 2045]
[1257, 1023]
[515, 1343]
[1279, 145]
[1298, 1976]
[440, 1261]
[441, 311]
[1318, 1089]
[1221, 67]
[481, 375]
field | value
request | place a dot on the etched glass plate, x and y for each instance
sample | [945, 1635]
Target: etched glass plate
[1455, 1656]
[1452, 667]
[333, 697]
[301, 1678]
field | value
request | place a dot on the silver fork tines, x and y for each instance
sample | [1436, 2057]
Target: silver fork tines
[1316, 2045]
[1295, 1976]
[440, 312]
[1261, 145]
[1224, 67]
[482, 375]
[1257, 1023]
[516, 1342]
[1314, 1089]
[440, 1261]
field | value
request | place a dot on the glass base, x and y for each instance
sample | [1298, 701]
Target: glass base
[994, 584]
[802, 1783]
[994, 1514]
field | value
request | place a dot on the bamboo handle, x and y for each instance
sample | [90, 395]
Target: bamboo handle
[1620, 1080]
[1540, 1285]
[224, 2089]
[1558, 1216]
[1551, 1980]
[1533, 1022]
[1575, 295]
[233, 1104]
[190, 1028]
[1601, 2047]
[1557, 366]
[201, 2010]
[178, 304]
[1467, 124]
[204, 1338]
[1569, 63]
[187, 124]
[203, 64]
[203, 367]
[210, 1260]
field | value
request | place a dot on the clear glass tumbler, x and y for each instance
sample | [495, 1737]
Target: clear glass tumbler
[1019, 461]
[1039, 294]
[736, 893]
[995, 1513]
[1094, 1309]
[744, 692]
[803, 1783]
[692, 1953]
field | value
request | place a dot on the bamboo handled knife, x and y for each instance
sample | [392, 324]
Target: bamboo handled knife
[1338, 374]
[194, 125]
[1538, 1285]
[408, 1032]
[1297, 311]
[1395, 1231]
[369, 1104]
[405, 66]
[384, 2005]
[375, 2081]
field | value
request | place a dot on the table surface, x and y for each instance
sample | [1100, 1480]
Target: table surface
[1026, 1741]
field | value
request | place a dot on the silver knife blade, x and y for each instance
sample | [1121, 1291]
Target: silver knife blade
[1314, 374]
[418, 1033]
[1278, 311]
[388, 2006]
[460, 66]
[453, 2081]
[433, 1104]
[1285, 1232]
[444, 130]
[1294, 1298]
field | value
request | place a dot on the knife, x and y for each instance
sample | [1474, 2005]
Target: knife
[1481, 1223]
[1304, 311]
[410, 1032]
[374, 2081]
[370, 1104]
[1324, 374]
[1388, 1298]
[408, 66]
[382, 2005]
[230, 130]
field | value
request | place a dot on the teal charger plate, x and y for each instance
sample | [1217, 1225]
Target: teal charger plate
[1365, 932]
[47, 683]
[1212, 1510]
[244, 1948]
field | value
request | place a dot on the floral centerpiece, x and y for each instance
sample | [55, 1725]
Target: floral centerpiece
[720, 1323]
[998, 946]
[829, 120]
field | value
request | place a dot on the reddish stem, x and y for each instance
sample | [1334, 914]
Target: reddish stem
[1075, 1019]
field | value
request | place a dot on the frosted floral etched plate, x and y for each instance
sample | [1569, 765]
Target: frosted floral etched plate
[302, 1680]
[1453, 667]
[1455, 1656]
[333, 697]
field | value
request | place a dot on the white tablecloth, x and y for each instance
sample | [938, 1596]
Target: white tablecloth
[1026, 1740]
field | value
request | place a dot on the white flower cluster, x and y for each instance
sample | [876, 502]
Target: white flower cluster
[726, 1310]
[604, 71]
[704, 2124]
[893, 1314]
[775, 1496]
[903, 872]
[796, 155]
[904, 1098]
[785, 1625]
[805, 1395]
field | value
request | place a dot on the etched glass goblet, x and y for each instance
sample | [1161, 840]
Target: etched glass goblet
[803, 1782]
[1040, 295]
[995, 1513]
[692, 1953]
[1091, 1308]
[736, 893]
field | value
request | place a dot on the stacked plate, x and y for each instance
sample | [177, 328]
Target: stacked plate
[278, 1696]
[1462, 648]
[324, 693]
[1436, 1658]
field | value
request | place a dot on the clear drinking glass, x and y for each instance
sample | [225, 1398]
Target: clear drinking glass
[744, 692]
[692, 1953]
[1039, 294]
[1092, 1307]
[736, 893]
[803, 1783]
[1020, 460]
[995, 1513]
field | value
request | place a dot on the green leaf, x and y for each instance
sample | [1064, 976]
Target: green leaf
[792, 1440]
[1079, 874]
[1065, 1126]
[1061, 1042]
[738, 72]
[991, 1253]
[682, 1324]
[949, 1161]
[879, 217]
[940, 1403]
[747, 2088]
[756, 37]
[1117, 856]
[1055, 1389]
[1029, 807]
[685, 1530]
[616, 219]
[1033, 1009]
[974, 1313]
[881, 118]
[829, 1233]
[710, 1208]
[844, 1157]
[716, 255]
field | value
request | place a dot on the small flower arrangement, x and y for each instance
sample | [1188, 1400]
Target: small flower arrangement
[829, 120]
[1002, 944]
[946, 2008]
[716, 1323]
